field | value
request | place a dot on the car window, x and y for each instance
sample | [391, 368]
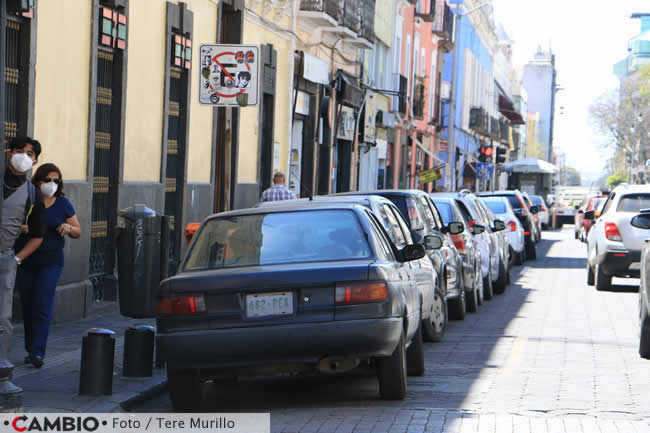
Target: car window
[434, 210]
[384, 249]
[464, 211]
[481, 213]
[392, 226]
[446, 212]
[497, 206]
[598, 203]
[608, 203]
[428, 214]
[414, 216]
[634, 203]
[402, 224]
[277, 238]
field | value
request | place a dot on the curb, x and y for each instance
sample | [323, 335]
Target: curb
[129, 404]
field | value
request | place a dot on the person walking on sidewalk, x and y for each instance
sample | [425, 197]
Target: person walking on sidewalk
[38, 276]
[278, 191]
[22, 204]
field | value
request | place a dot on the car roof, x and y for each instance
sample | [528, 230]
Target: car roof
[288, 206]
[402, 192]
[631, 188]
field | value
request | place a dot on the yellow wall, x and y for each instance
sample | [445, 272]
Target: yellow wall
[255, 34]
[384, 17]
[61, 86]
[200, 138]
[145, 91]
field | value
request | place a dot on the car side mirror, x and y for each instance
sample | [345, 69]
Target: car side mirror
[432, 242]
[590, 215]
[641, 221]
[412, 252]
[478, 229]
[455, 228]
[498, 226]
[534, 209]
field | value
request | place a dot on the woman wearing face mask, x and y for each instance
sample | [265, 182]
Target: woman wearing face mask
[39, 274]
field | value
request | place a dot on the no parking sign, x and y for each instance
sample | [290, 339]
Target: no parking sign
[229, 75]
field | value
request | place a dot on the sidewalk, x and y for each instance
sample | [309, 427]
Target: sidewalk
[55, 387]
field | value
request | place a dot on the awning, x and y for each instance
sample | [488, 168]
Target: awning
[530, 165]
[438, 162]
[508, 109]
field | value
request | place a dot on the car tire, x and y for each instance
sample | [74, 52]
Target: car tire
[531, 252]
[590, 275]
[391, 373]
[185, 389]
[458, 306]
[644, 339]
[436, 325]
[488, 291]
[415, 354]
[603, 282]
[502, 282]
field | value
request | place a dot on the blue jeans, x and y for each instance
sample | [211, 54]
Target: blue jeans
[37, 288]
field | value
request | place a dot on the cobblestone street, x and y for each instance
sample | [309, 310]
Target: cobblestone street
[550, 355]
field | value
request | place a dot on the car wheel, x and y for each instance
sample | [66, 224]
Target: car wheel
[415, 354]
[590, 275]
[436, 325]
[603, 282]
[518, 258]
[502, 282]
[391, 373]
[185, 389]
[531, 252]
[488, 291]
[458, 306]
[644, 322]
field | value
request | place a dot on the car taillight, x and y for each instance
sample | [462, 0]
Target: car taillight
[459, 243]
[612, 233]
[182, 305]
[360, 292]
[512, 226]
[471, 224]
[527, 233]
[559, 212]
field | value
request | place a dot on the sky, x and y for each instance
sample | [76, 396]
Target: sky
[588, 37]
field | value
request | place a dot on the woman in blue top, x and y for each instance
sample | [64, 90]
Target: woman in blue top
[39, 274]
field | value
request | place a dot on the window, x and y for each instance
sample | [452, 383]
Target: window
[402, 224]
[392, 226]
[634, 203]
[384, 249]
[277, 238]
[434, 211]
[417, 224]
[428, 215]
[608, 203]
[464, 212]
[497, 206]
[407, 57]
[446, 212]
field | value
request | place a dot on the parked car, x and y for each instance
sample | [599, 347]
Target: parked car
[536, 218]
[613, 244]
[295, 287]
[468, 248]
[525, 215]
[514, 231]
[582, 226]
[544, 213]
[642, 222]
[423, 219]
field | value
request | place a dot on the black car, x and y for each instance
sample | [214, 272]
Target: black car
[297, 287]
[525, 214]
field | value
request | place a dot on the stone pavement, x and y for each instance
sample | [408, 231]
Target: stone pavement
[550, 355]
[55, 387]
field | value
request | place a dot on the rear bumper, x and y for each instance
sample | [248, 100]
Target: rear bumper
[295, 343]
[621, 263]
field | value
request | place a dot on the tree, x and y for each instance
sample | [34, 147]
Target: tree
[616, 179]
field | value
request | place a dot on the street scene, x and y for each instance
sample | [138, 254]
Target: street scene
[337, 216]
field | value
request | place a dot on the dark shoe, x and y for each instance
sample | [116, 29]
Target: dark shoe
[37, 361]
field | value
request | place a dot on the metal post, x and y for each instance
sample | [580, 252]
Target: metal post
[451, 128]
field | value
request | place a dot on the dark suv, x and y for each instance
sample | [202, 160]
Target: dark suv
[525, 216]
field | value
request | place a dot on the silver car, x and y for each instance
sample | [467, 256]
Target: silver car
[613, 244]
[514, 231]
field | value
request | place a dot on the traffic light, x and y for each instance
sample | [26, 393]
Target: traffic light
[501, 154]
[485, 153]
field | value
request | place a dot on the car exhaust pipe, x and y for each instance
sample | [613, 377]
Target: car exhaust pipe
[337, 364]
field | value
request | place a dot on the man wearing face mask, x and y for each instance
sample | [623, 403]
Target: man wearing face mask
[22, 205]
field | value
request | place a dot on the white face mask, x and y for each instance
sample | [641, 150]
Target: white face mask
[21, 162]
[48, 189]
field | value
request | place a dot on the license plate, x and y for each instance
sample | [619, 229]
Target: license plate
[269, 304]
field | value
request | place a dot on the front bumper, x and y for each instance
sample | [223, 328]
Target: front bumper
[294, 343]
[621, 263]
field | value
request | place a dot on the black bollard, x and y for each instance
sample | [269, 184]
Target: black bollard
[97, 354]
[138, 351]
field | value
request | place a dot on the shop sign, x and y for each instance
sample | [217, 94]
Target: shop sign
[369, 130]
[431, 175]
[302, 103]
[346, 124]
[229, 75]
[443, 145]
[382, 148]
[315, 70]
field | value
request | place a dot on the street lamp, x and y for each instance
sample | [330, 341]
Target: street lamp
[451, 140]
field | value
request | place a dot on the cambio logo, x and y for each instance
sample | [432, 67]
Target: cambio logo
[60, 423]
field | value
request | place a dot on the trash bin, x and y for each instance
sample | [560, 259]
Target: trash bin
[141, 260]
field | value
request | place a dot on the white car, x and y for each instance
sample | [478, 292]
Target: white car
[613, 244]
[514, 231]
[544, 215]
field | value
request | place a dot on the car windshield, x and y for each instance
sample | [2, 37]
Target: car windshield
[514, 201]
[634, 203]
[445, 211]
[497, 206]
[276, 238]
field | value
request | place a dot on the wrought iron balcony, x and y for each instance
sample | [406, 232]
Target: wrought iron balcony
[418, 99]
[426, 9]
[398, 103]
[443, 24]
[323, 12]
